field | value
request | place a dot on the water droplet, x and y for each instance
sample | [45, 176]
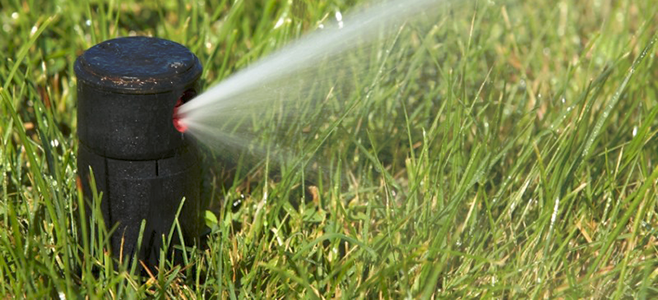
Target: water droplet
[279, 23]
[88, 23]
[339, 16]
[634, 131]
[555, 211]
[14, 15]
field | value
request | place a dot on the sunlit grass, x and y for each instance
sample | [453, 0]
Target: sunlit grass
[508, 151]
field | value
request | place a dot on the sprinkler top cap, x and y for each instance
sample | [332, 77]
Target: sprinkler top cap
[138, 65]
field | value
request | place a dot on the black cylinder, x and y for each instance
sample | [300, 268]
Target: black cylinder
[127, 91]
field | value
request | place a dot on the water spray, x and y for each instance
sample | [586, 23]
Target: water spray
[306, 70]
[129, 91]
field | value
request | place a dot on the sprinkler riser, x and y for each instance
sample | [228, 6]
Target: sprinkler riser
[127, 90]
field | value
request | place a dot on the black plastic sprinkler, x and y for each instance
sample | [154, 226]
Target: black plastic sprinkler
[128, 92]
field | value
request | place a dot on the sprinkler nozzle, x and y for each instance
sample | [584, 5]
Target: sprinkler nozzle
[178, 123]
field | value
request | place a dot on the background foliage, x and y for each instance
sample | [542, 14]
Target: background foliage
[508, 152]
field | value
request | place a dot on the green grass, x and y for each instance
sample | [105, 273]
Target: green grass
[508, 152]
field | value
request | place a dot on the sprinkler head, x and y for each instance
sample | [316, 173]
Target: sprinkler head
[128, 92]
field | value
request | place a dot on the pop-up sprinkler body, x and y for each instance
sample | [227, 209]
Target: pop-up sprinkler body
[128, 89]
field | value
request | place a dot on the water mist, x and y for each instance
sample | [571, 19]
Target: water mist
[308, 70]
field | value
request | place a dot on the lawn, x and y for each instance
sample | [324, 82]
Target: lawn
[486, 149]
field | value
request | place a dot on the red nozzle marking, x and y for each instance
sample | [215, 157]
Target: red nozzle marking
[178, 124]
